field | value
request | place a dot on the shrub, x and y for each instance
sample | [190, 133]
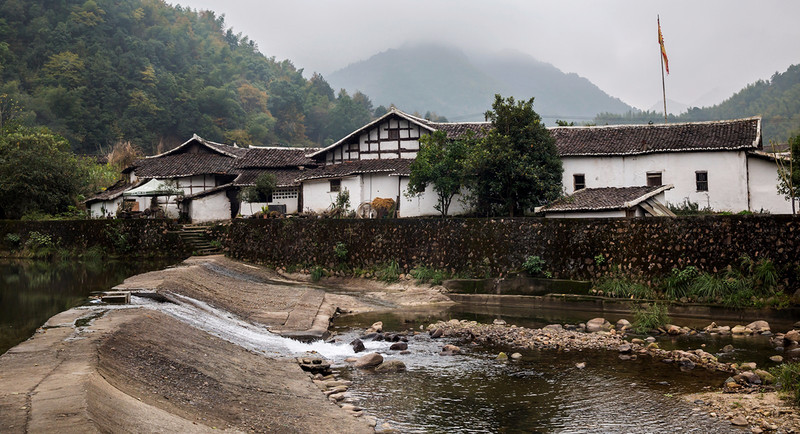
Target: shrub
[340, 251]
[37, 240]
[13, 241]
[679, 281]
[389, 273]
[533, 265]
[787, 378]
[317, 273]
[424, 274]
[650, 317]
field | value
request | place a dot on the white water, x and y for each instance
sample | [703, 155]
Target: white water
[231, 328]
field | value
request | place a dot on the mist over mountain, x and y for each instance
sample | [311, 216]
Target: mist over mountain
[461, 86]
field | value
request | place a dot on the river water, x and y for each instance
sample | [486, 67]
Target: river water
[472, 392]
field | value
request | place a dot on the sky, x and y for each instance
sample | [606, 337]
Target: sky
[714, 47]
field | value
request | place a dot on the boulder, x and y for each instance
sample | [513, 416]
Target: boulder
[376, 327]
[597, 324]
[516, 356]
[399, 346]
[747, 366]
[437, 333]
[499, 321]
[673, 330]
[368, 361]
[739, 421]
[637, 341]
[741, 330]
[766, 377]
[792, 336]
[727, 348]
[759, 326]
[776, 359]
[357, 345]
[623, 324]
[624, 348]
[449, 350]
[391, 366]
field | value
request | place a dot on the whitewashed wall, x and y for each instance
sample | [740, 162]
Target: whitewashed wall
[212, 207]
[105, 209]
[727, 175]
[424, 205]
[317, 196]
[763, 187]
[281, 196]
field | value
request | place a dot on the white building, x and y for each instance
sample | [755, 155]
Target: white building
[203, 179]
[716, 165]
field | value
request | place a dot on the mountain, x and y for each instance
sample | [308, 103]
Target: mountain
[673, 107]
[461, 86]
[101, 72]
[776, 100]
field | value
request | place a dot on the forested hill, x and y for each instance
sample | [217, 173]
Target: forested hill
[103, 71]
[777, 100]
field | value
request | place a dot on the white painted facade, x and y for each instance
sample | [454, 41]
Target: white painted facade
[726, 175]
[764, 187]
[105, 209]
[287, 196]
[210, 207]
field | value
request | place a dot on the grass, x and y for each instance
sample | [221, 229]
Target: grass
[389, 273]
[787, 377]
[424, 274]
[650, 317]
[317, 273]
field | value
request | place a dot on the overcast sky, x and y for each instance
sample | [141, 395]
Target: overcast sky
[715, 47]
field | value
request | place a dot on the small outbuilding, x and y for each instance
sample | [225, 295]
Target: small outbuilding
[642, 201]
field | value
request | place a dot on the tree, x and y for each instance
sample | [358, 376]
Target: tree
[516, 166]
[789, 172]
[442, 163]
[261, 190]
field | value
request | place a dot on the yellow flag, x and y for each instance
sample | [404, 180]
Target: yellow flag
[663, 50]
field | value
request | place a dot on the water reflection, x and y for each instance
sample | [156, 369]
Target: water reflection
[32, 291]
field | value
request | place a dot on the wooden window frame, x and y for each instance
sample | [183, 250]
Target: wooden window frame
[578, 181]
[652, 177]
[393, 133]
[335, 185]
[701, 180]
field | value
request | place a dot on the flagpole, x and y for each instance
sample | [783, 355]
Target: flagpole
[663, 86]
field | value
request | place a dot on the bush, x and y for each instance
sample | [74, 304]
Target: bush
[424, 274]
[679, 281]
[13, 241]
[533, 265]
[37, 241]
[389, 273]
[650, 317]
[340, 251]
[317, 273]
[787, 378]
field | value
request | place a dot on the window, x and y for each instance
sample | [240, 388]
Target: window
[654, 179]
[336, 185]
[578, 181]
[394, 133]
[353, 147]
[284, 193]
[701, 178]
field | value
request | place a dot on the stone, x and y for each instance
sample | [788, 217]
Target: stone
[557, 327]
[516, 356]
[747, 366]
[748, 377]
[597, 324]
[739, 421]
[502, 356]
[358, 345]
[740, 330]
[391, 366]
[437, 333]
[624, 348]
[368, 361]
[686, 365]
[727, 348]
[766, 377]
[449, 350]
[580, 365]
[759, 326]
[673, 330]
[376, 327]
[351, 359]
[499, 321]
[623, 324]
[650, 339]
[776, 359]
[399, 346]
[637, 341]
[792, 336]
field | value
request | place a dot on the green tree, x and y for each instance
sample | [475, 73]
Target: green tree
[789, 173]
[441, 163]
[38, 173]
[516, 166]
[261, 190]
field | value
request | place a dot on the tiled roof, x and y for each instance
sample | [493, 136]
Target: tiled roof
[276, 157]
[174, 165]
[284, 177]
[394, 166]
[606, 198]
[114, 191]
[456, 130]
[643, 139]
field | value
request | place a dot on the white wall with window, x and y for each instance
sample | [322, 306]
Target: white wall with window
[764, 187]
[318, 196]
[288, 196]
[725, 176]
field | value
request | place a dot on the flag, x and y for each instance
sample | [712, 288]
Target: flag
[661, 43]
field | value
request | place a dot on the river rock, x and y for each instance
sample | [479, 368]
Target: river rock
[724, 330]
[399, 346]
[792, 336]
[368, 361]
[750, 366]
[391, 366]
[437, 333]
[376, 327]
[624, 348]
[358, 345]
[776, 359]
[597, 324]
[650, 339]
[623, 324]
[502, 356]
[499, 321]
[759, 326]
[747, 377]
[739, 421]
[673, 330]
[637, 341]
[686, 365]
[449, 350]
[516, 356]
[766, 377]
[741, 330]
[727, 348]
[556, 327]
[580, 365]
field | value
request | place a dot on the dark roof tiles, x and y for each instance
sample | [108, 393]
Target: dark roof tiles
[394, 166]
[606, 198]
[276, 157]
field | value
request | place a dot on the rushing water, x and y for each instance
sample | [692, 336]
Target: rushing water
[32, 291]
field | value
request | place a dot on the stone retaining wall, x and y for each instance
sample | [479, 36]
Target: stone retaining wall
[571, 248]
[148, 237]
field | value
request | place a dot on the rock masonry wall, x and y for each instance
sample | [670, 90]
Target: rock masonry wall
[571, 248]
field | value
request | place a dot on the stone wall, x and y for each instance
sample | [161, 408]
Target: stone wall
[147, 237]
[569, 247]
